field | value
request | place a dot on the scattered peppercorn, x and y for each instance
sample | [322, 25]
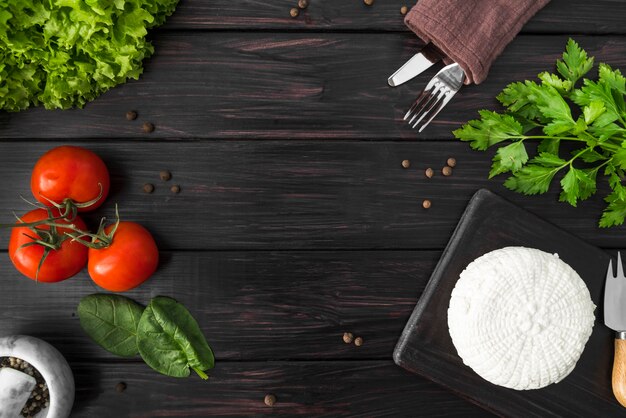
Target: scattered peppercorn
[446, 171]
[348, 337]
[294, 12]
[368, 2]
[148, 188]
[148, 127]
[132, 115]
[270, 399]
[165, 175]
[303, 4]
[175, 189]
[358, 341]
[120, 387]
[429, 172]
[406, 163]
[404, 10]
[451, 162]
[426, 204]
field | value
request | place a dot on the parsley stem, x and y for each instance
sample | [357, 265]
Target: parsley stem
[568, 138]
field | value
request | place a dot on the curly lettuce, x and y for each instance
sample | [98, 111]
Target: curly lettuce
[65, 53]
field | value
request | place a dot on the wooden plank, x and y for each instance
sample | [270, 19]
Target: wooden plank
[303, 389]
[287, 86]
[298, 194]
[250, 305]
[560, 16]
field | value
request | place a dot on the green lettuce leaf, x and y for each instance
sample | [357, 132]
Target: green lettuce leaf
[65, 53]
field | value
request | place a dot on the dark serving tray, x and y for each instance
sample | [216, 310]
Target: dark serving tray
[425, 347]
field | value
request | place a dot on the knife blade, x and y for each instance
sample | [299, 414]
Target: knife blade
[416, 65]
[615, 318]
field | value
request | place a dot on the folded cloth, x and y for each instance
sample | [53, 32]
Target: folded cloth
[471, 33]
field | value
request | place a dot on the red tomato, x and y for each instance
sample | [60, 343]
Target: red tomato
[60, 264]
[69, 172]
[129, 261]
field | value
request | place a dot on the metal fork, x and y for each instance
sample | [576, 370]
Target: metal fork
[438, 92]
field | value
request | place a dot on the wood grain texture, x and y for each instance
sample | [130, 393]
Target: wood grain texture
[618, 377]
[303, 389]
[560, 16]
[288, 86]
[297, 194]
[250, 306]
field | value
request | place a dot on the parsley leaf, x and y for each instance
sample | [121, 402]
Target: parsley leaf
[575, 62]
[615, 212]
[532, 178]
[491, 129]
[577, 185]
[509, 158]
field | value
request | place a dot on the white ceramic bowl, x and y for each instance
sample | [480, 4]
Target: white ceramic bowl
[52, 366]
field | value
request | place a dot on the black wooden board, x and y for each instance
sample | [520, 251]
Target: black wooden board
[305, 389]
[559, 16]
[287, 86]
[426, 348]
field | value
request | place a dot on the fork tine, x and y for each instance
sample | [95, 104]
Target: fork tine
[437, 100]
[620, 268]
[436, 111]
[426, 97]
[609, 273]
[425, 104]
[417, 101]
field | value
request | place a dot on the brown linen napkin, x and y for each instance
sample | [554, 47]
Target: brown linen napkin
[471, 33]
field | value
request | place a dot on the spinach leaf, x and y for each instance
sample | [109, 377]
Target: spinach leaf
[170, 340]
[111, 321]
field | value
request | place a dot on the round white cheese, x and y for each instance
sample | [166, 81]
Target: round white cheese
[520, 317]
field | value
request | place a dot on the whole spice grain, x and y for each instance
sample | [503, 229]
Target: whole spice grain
[368, 2]
[451, 162]
[148, 188]
[426, 204]
[358, 341]
[348, 337]
[294, 12]
[406, 164]
[165, 175]
[446, 171]
[175, 189]
[303, 4]
[404, 10]
[120, 387]
[132, 115]
[40, 397]
[147, 127]
[270, 399]
[429, 172]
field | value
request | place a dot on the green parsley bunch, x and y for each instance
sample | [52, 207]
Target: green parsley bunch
[542, 111]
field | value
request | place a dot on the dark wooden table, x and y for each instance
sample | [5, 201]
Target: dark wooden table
[296, 221]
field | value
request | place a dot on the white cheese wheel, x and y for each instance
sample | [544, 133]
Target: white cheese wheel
[520, 317]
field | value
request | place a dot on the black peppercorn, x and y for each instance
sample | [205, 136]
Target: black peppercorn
[165, 175]
[148, 188]
[148, 127]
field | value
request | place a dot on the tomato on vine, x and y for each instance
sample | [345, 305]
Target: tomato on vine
[43, 251]
[70, 178]
[123, 257]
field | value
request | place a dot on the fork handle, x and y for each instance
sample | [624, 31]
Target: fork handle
[619, 368]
